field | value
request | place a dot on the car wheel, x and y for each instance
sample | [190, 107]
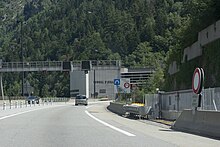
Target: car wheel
[76, 104]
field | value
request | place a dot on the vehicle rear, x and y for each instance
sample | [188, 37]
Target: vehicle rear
[81, 99]
[33, 99]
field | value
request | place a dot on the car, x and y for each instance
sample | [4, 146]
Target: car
[32, 100]
[81, 99]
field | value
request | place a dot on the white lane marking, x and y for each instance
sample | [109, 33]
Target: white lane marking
[110, 126]
[97, 102]
[19, 113]
[87, 107]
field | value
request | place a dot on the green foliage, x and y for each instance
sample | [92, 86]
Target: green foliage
[196, 14]
[211, 62]
[140, 33]
[137, 96]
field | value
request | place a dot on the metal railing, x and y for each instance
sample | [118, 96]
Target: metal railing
[31, 66]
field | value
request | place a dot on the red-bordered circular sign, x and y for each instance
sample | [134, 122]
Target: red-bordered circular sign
[197, 80]
[126, 85]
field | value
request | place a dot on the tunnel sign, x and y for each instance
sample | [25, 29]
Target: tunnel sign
[116, 81]
[198, 80]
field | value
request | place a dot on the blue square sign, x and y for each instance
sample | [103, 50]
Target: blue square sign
[116, 81]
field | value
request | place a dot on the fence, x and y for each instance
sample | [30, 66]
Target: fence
[170, 104]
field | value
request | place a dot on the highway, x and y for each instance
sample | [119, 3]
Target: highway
[68, 125]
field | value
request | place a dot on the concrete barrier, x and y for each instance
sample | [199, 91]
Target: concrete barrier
[170, 115]
[205, 123]
[116, 108]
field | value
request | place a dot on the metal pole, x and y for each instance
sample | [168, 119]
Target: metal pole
[22, 56]
[2, 91]
[94, 85]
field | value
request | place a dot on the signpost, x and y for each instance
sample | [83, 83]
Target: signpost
[122, 86]
[197, 84]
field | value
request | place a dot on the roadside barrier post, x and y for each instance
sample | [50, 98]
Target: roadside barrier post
[10, 104]
[4, 105]
[20, 104]
[16, 104]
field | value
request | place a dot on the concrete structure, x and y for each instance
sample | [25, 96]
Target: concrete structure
[98, 80]
[173, 68]
[169, 105]
[192, 52]
[104, 82]
[77, 83]
[101, 78]
[137, 76]
[34, 66]
[199, 122]
[206, 36]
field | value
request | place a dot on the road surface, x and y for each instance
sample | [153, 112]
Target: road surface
[93, 126]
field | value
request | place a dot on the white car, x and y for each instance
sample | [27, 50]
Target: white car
[81, 99]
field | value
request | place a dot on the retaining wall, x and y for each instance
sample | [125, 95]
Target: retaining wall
[170, 115]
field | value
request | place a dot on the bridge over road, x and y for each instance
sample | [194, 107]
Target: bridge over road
[35, 66]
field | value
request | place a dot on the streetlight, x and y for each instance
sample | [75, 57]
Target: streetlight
[94, 82]
[22, 54]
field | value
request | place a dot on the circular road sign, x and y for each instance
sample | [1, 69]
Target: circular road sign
[126, 85]
[197, 80]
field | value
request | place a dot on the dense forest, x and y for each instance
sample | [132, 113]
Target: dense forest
[140, 33]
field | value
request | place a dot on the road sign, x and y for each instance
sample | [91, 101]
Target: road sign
[116, 81]
[123, 87]
[195, 100]
[197, 80]
[126, 85]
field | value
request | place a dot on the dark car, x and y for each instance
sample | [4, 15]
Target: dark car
[81, 99]
[32, 100]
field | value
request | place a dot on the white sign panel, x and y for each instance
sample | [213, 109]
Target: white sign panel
[124, 86]
[195, 99]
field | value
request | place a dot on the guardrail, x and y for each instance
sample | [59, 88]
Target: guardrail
[134, 110]
[35, 66]
[13, 104]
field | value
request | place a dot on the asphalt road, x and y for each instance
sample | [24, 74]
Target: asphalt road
[92, 126]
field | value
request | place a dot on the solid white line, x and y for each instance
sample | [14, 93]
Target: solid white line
[7, 116]
[19, 113]
[108, 125]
